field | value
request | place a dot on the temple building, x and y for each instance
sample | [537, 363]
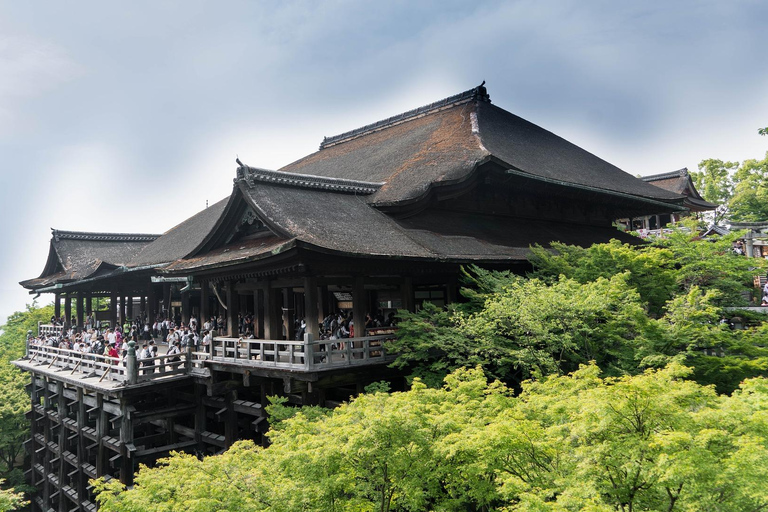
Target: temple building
[679, 182]
[378, 219]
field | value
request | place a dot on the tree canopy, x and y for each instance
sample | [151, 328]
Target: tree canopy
[654, 441]
[14, 426]
[740, 188]
[628, 308]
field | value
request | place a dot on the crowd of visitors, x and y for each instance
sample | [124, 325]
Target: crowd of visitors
[98, 337]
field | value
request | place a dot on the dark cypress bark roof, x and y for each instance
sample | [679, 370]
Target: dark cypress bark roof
[680, 182]
[335, 199]
[182, 239]
[541, 153]
[76, 255]
[444, 142]
[345, 223]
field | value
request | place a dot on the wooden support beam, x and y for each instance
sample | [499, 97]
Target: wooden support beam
[205, 313]
[68, 308]
[219, 388]
[233, 303]
[126, 438]
[165, 448]
[62, 437]
[406, 294]
[82, 423]
[164, 412]
[310, 307]
[288, 310]
[230, 420]
[80, 307]
[359, 306]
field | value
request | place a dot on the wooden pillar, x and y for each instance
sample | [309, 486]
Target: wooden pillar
[33, 427]
[88, 304]
[230, 423]
[359, 306]
[47, 437]
[57, 305]
[324, 304]
[68, 308]
[200, 419]
[128, 307]
[82, 422]
[451, 290]
[258, 313]
[205, 313]
[167, 298]
[406, 294]
[288, 310]
[143, 307]
[151, 304]
[62, 441]
[80, 311]
[126, 438]
[113, 309]
[101, 431]
[310, 306]
[233, 302]
[185, 307]
[272, 319]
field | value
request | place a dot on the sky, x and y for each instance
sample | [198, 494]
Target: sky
[128, 116]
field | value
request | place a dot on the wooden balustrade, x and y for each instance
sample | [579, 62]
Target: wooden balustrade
[48, 329]
[108, 368]
[307, 355]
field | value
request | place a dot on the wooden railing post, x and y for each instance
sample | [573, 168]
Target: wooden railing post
[188, 362]
[309, 358]
[131, 366]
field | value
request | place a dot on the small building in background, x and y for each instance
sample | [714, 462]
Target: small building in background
[678, 182]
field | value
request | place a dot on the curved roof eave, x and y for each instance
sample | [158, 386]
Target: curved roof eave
[624, 195]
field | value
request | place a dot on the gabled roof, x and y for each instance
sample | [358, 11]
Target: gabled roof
[181, 240]
[444, 142]
[680, 182]
[76, 255]
[299, 213]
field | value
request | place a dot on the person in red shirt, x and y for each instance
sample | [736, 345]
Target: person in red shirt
[113, 352]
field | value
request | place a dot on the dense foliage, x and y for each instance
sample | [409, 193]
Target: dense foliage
[627, 308]
[581, 442]
[741, 188]
[14, 426]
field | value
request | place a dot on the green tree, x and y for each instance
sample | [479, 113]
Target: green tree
[626, 307]
[14, 426]
[651, 270]
[750, 194]
[653, 441]
[714, 181]
[10, 500]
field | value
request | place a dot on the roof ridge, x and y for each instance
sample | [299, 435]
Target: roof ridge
[59, 234]
[479, 93]
[250, 175]
[665, 175]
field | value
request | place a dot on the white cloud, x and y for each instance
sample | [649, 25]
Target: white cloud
[29, 67]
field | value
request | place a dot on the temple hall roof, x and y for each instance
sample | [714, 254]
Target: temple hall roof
[75, 255]
[680, 182]
[445, 141]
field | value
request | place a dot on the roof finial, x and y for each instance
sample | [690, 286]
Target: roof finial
[237, 159]
[481, 93]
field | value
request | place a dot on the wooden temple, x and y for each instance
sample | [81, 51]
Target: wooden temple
[378, 219]
[678, 182]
